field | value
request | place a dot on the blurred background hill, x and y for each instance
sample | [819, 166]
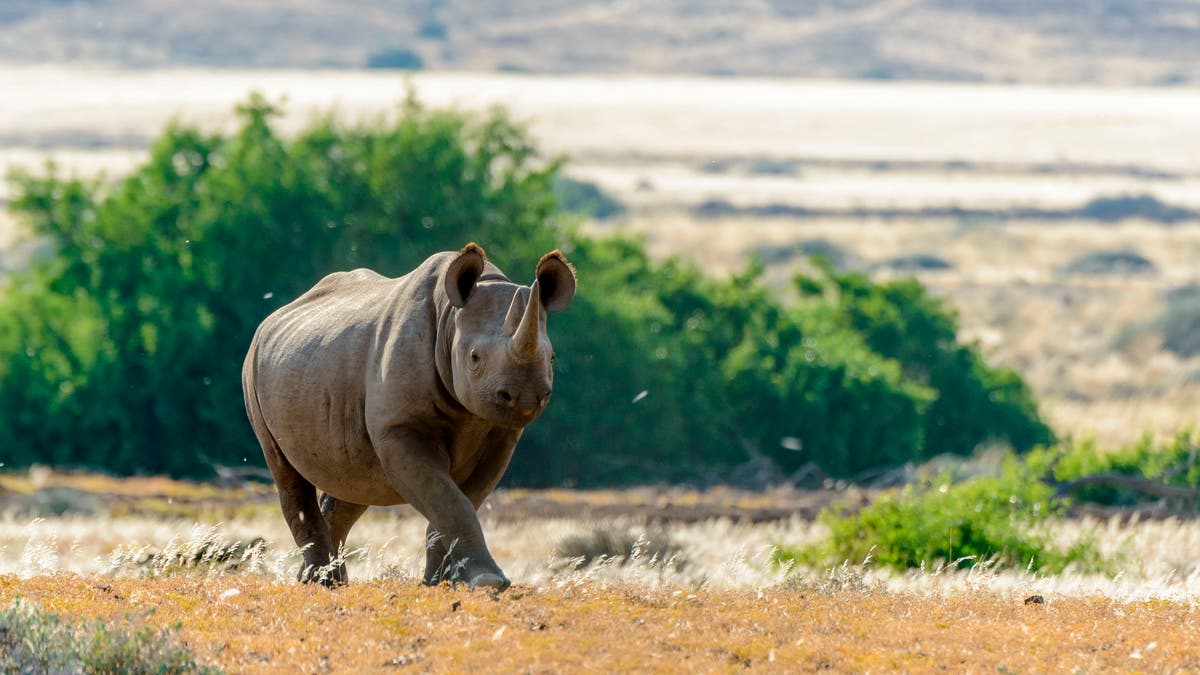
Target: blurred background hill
[1107, 42]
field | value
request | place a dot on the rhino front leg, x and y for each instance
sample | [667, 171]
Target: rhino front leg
[421, 474]
[437, 558]
[477, 487]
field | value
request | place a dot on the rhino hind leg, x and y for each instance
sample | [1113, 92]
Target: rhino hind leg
[340, 516]
[298, 501]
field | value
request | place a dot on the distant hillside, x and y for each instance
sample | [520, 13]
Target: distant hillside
[1035, 41]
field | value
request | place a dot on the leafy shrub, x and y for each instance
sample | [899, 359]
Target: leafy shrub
[586, 198]
[715, 208]
[997, 519]
[399, 58]
[1181, 321]
[621, 545]
[432, 29]
[124, 350]
[971, 404]
[767, 166]
[1111, 262]
[1174, 463]
[916, 262]
[34, 641]
[838, 257]
[1123, 207]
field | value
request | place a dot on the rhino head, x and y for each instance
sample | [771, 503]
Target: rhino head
[500, 356]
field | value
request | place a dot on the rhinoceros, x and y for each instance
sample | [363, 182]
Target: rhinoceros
[381, 391]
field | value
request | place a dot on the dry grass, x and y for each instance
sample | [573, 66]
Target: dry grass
[719, 547]
[711, 601]
[251, 624]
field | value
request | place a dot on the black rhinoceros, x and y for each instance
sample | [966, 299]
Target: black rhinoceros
[415, 390]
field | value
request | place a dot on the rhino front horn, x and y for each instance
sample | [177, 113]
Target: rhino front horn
[527, 341]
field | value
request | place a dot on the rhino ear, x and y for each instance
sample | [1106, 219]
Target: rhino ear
[556, 281]
[463, 272]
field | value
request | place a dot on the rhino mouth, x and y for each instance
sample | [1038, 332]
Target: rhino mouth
[513, 418]
[517, 405]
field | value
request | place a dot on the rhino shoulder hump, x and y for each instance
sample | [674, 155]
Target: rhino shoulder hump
[339, 280]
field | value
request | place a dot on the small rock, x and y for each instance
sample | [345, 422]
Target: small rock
[1035, 600]
[456, 606]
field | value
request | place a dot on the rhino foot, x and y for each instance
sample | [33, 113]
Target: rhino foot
[329, 576]
[496, 582]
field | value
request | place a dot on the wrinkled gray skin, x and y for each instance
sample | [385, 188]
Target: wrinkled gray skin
[414, 390]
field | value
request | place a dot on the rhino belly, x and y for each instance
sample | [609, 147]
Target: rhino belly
[323, 437]
[350, 474]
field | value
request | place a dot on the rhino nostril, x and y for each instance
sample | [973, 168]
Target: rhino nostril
[505, 396]
[545, 397]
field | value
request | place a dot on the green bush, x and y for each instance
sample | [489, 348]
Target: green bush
[1174, 463]
[621, 545]
[579, 196]
[124, 351]
[1180, 321]
[1111, 262]
[972, 404]
[1114, 208]
[399, 58]
[1002, 520]
[34, 641]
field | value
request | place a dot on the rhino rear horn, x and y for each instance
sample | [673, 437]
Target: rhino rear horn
[556, 279]
[516, 312]
[463, 272]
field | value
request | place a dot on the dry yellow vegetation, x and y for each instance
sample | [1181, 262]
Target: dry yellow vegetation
[723, 607]
[250, 624]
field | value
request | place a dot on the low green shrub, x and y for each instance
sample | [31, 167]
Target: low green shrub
[577, 196]
[35, 641]
[1174, 463]
[653, 546]
[1180, 321]
[1106, 262]
[399, 58]
[1112, 208]
[1000, 520]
